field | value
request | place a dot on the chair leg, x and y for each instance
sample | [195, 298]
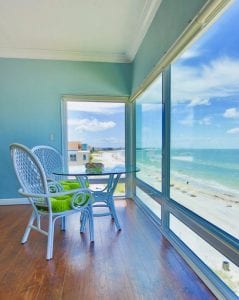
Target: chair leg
[91, 224]
[63, 223]
[28, 228]
[114, 214]
[50, 239]
[83, 219]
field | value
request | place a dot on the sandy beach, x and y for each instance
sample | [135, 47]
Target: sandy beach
[110, 159]
[217, 205]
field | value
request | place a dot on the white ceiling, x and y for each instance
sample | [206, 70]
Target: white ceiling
[84, 30]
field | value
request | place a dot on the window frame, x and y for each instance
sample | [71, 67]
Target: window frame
[92, 98]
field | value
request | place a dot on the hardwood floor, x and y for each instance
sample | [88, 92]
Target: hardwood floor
[136, 263]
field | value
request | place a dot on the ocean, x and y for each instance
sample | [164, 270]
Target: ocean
[214, 167]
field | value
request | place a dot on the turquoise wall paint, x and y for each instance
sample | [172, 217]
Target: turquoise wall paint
[169, 22]
[30, 98]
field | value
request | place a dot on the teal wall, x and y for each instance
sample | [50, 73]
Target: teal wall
[30, 97]
[170, 21]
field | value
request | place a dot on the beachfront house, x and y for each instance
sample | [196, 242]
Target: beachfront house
[151, 84]
[77, 153]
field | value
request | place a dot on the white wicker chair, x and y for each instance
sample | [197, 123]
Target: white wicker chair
[51, 160]
[35, 187]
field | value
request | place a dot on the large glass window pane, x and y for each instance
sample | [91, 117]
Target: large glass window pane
[149, 134]
[205, 125]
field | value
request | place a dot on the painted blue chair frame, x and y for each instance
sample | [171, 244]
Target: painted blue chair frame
[35, 187]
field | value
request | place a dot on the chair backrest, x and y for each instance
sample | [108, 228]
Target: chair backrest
[28, 169]
[50, 158]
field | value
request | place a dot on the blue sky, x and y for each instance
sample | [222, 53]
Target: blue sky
[206, 102]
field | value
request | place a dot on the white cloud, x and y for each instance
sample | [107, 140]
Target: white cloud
[198, 101]
[95, 107]
[233, 131]
[190, 53]
[73, 122]
[198, 84]
[231, 113]
[92, 125]
[150, 107]
[205, 121]
[110, 140]
[153, 94]
[188, 121]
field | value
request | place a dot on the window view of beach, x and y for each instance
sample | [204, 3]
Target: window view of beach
[149, 134]
[204, 158]
[205, 125]
[96, 136]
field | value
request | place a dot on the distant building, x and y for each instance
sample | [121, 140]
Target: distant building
[84, 147]
[74, 145]
[78, 153]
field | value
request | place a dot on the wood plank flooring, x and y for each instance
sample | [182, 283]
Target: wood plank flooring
[136, 263]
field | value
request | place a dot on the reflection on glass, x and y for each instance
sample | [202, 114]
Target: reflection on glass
[218, 263]
[154, 206]
[205, 125]
[149, 134]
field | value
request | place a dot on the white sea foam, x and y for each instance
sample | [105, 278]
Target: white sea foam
[205, 184]
[183, 158]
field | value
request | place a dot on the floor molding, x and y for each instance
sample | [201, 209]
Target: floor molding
[14, 201]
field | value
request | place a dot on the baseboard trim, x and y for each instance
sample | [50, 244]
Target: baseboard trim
[14, 201]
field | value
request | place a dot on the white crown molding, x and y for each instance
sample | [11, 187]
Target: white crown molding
[148, 13]
[14, 201]
[93, 98]
[47, 54]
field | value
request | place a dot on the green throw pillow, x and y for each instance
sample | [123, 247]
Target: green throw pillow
[71, 184]
[63, 203]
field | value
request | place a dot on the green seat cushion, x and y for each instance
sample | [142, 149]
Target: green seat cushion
[71, 184]
[63, 203]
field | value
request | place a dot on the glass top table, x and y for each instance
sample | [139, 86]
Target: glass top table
[104, 197]
[83, 171]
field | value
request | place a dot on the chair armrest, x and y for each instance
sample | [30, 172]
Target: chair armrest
[49, 195]
[83, 197]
